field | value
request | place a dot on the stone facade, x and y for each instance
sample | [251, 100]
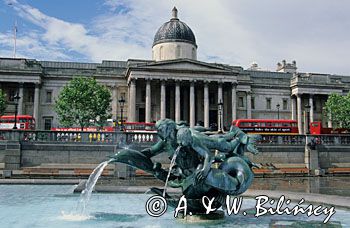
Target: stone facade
[175, 85]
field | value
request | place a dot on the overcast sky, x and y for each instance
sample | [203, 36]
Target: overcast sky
[315, 33]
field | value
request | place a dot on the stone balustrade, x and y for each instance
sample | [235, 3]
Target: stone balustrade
[78, 137]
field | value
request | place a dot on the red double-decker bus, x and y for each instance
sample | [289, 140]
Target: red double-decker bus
[23, 122]
[267, 126]
[137, 127]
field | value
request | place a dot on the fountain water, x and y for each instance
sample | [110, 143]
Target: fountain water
[89, 186]
[172, 163]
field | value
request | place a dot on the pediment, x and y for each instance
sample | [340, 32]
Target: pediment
[186, 65]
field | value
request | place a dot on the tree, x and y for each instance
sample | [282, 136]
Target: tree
[83, 102]
[3, 103]
[338, 108]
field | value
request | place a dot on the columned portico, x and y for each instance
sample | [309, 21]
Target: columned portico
[36, 105]
[311, 104]
[294, 108]
[300, 127]
[220, 100]
[206, 105]
[192, 106]
[148, 101]
[162, 100]
[234, 100]
[249, 105]
[20, 101]
[177, 102]
[132, 101]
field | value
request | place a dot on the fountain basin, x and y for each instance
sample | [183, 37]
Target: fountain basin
[54, 206]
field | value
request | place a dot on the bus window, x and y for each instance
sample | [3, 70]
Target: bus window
[244, 124]
[254, 124]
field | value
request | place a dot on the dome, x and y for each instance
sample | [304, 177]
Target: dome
[174, 31]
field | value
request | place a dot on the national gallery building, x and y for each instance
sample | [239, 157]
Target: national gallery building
[174, 84]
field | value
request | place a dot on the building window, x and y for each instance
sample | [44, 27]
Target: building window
[48, 96]
[253, 102]
[268, 103]
[285, 104]
[11, 95]
[122, 95]
[193, 53]
[29, 95]
[48, 123]
[212, 98]
[143, 96]
[240, 102]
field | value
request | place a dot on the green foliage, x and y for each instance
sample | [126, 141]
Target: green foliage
[83, 100]
[338, 107]
[3, 103]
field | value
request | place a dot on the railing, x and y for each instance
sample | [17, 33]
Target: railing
[151, 137]
[282, 140]
[301, 139]
[78, 136]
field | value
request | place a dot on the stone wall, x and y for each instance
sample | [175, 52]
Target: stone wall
[278, 154]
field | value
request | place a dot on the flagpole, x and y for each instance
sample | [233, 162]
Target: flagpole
[15, 39]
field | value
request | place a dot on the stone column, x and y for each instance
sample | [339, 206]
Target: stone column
[192, 106]
[36, 105]
[249, 105]
[311, 103]
[206, 105]
[177, 102]
[185, 104]
[162, 100]
[234, 100]
[132, 101]
[20, 101]
[148, 101]
[114, 103]
[294, 108]
[300, 115]
[220, 100]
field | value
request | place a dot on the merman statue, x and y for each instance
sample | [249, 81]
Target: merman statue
[193, 170]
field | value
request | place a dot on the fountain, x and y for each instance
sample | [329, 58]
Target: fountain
[192, 159]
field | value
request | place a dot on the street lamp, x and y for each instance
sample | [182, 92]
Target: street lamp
[121, 103]
[16, 99]
[306, 119]
[220, 107]
[278, 111]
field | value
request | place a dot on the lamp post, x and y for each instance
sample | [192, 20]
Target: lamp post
[121, 103]
[16, 99]
[220, 107]
[278, 111]
[306, 119]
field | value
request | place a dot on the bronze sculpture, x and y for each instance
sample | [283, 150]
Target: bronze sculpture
[193, 170]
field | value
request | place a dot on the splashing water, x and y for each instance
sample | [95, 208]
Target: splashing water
[172, 163]
[89, 186]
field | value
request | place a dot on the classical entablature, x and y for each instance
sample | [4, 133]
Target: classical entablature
[317, 84]
[182, 70]
[20, 71]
